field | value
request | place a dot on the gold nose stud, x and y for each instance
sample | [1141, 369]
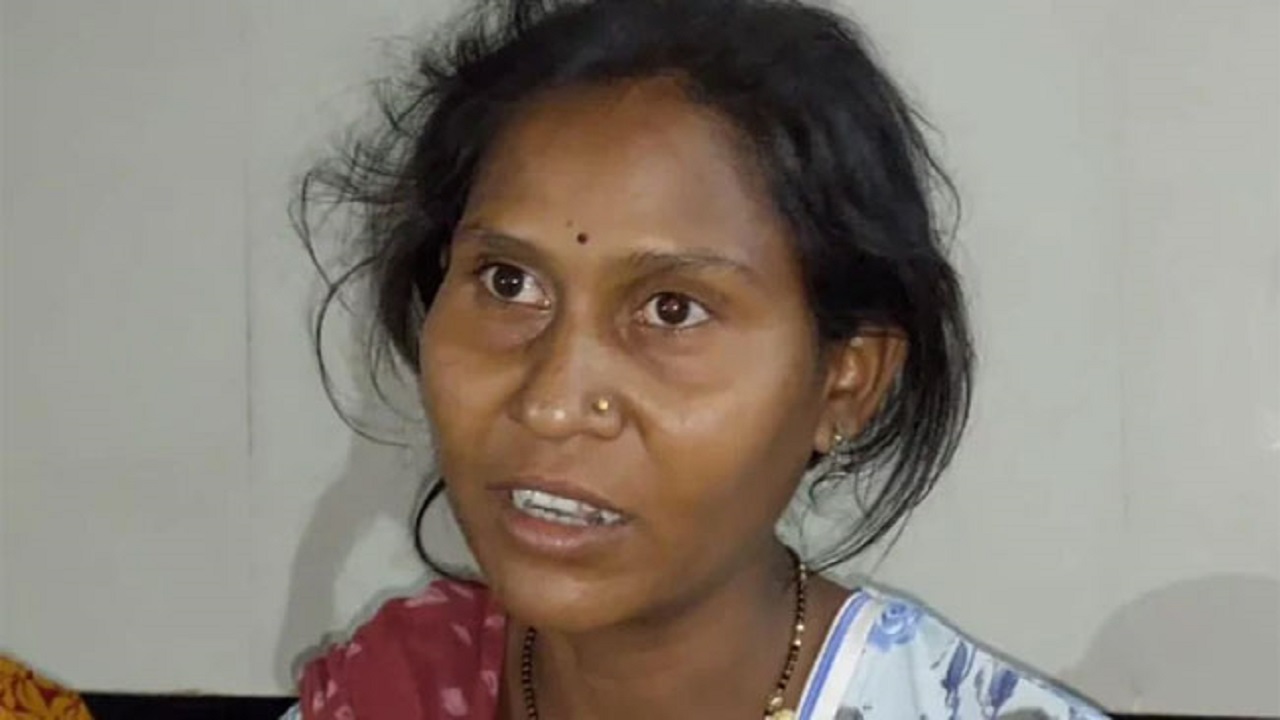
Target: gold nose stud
[601, 405]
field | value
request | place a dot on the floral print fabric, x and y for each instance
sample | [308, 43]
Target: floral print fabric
[24, 695]
[915, 665]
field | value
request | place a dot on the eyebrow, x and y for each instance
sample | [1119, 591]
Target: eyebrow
[498, 240]
[646, 262]
[655, 262]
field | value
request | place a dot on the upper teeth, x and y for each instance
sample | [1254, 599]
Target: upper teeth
[555, 508]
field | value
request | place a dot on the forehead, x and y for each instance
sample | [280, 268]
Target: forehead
[629, 161]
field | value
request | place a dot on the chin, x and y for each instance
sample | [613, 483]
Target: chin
[556, 597]
[557, 577]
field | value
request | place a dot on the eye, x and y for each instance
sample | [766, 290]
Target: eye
[510, 284]
[673, 311]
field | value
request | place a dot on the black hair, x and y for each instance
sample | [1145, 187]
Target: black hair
[841, 149]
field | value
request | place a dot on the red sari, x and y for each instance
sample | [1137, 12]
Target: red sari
[433, 656]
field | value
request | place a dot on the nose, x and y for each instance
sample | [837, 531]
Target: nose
[566, 392]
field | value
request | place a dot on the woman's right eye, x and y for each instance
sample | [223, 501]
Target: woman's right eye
[510, 284]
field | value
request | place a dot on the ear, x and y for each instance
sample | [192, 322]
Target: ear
[860, 373]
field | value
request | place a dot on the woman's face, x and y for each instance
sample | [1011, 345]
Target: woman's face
[620, 366]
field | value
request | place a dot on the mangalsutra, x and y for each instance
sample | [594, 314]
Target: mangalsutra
[773, 708]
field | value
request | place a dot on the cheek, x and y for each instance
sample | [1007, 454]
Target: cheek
[461, 391]
[436, 362]
[736, 450]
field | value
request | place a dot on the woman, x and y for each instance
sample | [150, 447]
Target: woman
[653, 260]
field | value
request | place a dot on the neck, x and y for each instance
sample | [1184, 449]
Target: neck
[716, 655]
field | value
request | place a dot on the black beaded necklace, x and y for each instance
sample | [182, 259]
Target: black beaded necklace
[773, 709]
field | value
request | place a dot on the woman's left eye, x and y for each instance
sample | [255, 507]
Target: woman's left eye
[673, 311]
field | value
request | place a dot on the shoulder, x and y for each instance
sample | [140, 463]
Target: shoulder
[916, 664]
[435, 637]
[454, 602]
[416, 624]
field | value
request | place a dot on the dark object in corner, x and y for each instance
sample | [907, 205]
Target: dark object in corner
[111, 706]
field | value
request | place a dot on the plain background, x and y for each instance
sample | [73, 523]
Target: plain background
[181, 509]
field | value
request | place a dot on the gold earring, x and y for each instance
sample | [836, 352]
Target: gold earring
[837, 439]
[601, 405]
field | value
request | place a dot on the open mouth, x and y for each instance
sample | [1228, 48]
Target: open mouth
[554, 508]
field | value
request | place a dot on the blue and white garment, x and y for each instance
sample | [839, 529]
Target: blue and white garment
[886, 658]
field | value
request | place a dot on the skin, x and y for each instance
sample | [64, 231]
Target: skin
[650, 268]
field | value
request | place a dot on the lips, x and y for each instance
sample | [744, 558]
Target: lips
[559, 519]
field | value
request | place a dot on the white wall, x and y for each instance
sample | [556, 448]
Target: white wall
[179, 508]
[1115, 514]
[125, 463]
